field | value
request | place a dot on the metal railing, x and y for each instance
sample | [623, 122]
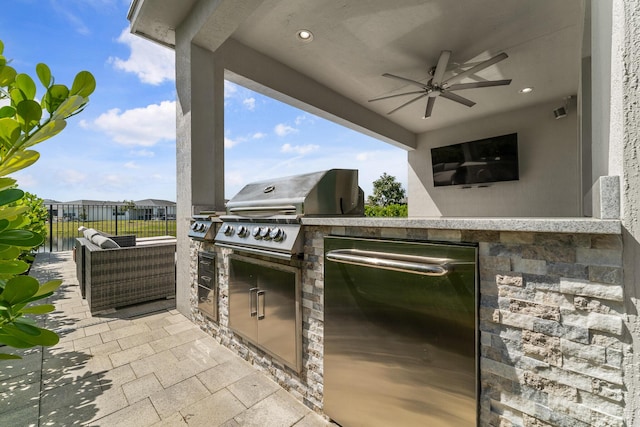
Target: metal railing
[116, 219]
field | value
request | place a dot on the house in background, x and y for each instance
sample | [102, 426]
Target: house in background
[558, 326]
[100, 210]
[154, 209]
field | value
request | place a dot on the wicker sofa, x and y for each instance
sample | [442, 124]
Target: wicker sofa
[128, 274]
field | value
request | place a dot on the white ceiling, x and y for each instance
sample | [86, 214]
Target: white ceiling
[355, 42]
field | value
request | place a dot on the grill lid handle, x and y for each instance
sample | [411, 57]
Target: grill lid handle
[280, 208]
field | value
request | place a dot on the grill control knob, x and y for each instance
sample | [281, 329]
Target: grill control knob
[256, 232]
[265, 232]
[243, 231]
[194, 226]
[227, 230]
[277, 234]
[202, 227]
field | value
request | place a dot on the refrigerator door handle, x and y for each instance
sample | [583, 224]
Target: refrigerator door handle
[426, 266]
[258, 295]
[253, 301]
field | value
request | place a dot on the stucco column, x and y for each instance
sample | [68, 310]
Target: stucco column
[199, 148]
[625, 133]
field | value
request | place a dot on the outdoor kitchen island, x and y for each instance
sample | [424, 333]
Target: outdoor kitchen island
[552, 340]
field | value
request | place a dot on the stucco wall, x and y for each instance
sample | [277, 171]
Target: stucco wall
[549, 184]
[625, 131]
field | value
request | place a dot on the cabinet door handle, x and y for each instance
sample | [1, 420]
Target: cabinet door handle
[258, 295]
[253, 301]
[426, 266]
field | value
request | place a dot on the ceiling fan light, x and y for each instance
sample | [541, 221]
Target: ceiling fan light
[526, 90]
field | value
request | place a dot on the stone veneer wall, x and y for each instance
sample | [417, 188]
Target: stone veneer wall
[552, 338]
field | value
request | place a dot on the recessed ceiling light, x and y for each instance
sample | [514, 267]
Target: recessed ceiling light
[305, 35]
[526, 90]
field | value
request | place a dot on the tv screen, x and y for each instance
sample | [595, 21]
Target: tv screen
[476, 162]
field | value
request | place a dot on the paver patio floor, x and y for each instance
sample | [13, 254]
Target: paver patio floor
[137, 366]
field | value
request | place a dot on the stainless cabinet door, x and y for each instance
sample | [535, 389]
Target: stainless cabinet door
[400, 348]
[277, 312]
[207, 301]
[243, 284]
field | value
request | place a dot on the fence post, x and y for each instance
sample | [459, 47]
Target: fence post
[50, 228]
[166, 220]
[116, 220]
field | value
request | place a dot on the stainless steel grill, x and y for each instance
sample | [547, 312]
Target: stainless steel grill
[264, 217]
[201, 228]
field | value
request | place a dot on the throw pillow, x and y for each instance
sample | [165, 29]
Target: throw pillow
[90, 232]
[104, 242]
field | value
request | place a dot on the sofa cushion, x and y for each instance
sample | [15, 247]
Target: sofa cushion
[104, 242]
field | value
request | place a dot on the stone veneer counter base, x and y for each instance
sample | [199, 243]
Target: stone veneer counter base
[551, 316]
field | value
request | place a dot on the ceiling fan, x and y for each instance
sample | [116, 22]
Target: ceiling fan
[436, 87]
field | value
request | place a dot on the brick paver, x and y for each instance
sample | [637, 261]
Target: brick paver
[138, 366]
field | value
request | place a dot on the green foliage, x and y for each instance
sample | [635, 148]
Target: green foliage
[36, 214]
[23, 124]
[395, 210]
[386, 191]
[35, 219]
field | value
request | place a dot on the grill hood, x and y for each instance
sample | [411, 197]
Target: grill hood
[333, 192]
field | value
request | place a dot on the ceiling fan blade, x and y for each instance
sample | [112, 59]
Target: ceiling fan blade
[430, 103]
[475, 69]
[403, 79]
[396, 95]
[443, 61]
[458, 98]
[474, 85]
[407, 103]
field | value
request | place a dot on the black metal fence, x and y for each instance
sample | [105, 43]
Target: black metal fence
[115, 219]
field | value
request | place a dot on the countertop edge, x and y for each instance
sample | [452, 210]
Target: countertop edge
[542, 225]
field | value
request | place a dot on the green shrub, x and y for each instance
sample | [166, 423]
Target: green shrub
[394, 210]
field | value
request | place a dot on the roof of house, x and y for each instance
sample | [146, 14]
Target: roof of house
[85, 202]
[92, 202]
[154, 202]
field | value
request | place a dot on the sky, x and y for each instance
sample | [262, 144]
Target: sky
[122, 146]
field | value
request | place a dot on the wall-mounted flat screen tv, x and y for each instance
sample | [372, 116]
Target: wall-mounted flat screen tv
[476, 162]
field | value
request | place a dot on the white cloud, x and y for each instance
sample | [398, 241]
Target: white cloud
[25, 180]
[152, 63]
[284, 130]
[363, 157]
[230, 89]
[142, 153]
[131, 165]
[299, 149]
[71, 176]
[76, 22]
[250, 103]
[304, 118]
[139, 126]
[258, 135]
[229, 143]
[116, 179]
